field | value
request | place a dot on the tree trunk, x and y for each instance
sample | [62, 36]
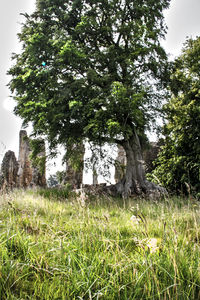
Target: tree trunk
[134, 181]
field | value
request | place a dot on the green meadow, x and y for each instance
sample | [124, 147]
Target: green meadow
[56, 245]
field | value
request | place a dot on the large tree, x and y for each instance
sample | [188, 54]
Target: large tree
[178, 165]
[95, 70]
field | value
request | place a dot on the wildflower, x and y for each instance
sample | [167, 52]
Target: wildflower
[135, 220]
[152, 245]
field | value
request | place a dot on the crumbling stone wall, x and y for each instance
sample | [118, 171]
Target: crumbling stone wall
[9, 169]
[25, 169]
[23, 173]
[73, 177]
[74, 166]
[38, 163]
[150, 156]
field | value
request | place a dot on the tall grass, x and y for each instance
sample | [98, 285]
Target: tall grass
[52, 246]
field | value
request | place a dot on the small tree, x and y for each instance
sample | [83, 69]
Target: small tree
[92, 69]
[178, 166]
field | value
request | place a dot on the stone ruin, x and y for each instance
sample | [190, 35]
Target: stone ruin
[9, 170]
[150, 155]
[39, 171]
[25, 173]
[74, 177]
[22, 173]
[74, 174]
[24, 164]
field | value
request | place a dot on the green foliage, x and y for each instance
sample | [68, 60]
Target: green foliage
[179, 161]
[54, 248]
[37, 156]
[75, 154]
[54, 193]
[90, 69]
[61, 176]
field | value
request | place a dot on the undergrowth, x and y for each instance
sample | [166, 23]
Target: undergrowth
[54, 245]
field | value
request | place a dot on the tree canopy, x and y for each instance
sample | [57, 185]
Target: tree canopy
[179, 161]
[91, 69]
[87, 67]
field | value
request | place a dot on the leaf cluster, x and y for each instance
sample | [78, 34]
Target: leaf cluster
[179, 161]
[90, 69]
[38, 156]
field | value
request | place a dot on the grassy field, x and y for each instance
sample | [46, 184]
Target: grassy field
[56, 246]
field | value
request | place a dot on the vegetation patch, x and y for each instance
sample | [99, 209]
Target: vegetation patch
[105, 249]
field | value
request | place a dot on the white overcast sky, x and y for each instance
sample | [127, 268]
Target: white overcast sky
[182, 20]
